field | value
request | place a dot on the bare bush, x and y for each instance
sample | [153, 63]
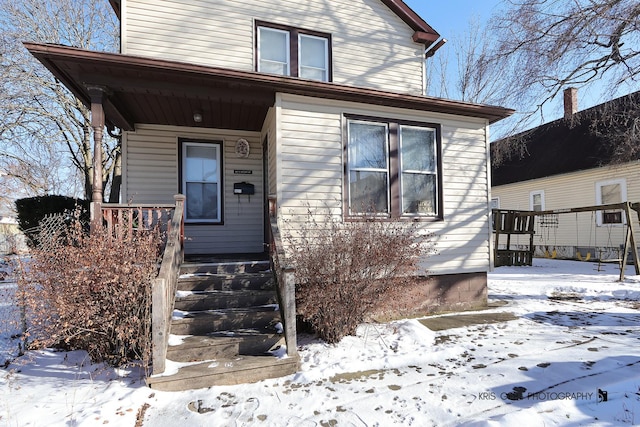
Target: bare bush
[92, 292]
[344, 268]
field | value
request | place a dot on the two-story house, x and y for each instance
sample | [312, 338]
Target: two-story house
[239, 105]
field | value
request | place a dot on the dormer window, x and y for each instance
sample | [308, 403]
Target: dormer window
[289, 51]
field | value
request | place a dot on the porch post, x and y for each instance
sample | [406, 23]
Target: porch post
[97, 94]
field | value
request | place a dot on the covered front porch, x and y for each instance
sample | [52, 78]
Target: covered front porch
[216, 285]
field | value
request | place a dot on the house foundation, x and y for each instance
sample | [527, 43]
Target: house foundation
[434, 294]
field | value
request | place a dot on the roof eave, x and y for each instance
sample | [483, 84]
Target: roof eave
[52, 55]
[115, 4]
[424, 33]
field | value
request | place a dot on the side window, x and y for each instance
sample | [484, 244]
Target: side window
[536, 201]
[201, 181]
[289, 51]
[610, 192]
[368, 150]
[418, 170]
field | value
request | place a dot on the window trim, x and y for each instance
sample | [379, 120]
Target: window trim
[496, 199]
[288, 43]
[394, 168]
[542, 201]
[294, 47]
[623, 196]
[326, 54]
[182, 144]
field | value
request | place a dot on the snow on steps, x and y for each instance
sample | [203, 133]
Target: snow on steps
[239, 370]
[229, 328]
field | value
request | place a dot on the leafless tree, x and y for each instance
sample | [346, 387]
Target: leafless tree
[33, 168]
[474, 77]
[549, 45]
[45, 131]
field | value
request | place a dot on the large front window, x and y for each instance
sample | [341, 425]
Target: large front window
[201, 181]
[289, 51]
[392, 168]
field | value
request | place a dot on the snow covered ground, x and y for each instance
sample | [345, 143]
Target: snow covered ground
[574, 341]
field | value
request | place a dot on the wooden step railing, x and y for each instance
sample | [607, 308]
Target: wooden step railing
[285, 279]
[165, 285]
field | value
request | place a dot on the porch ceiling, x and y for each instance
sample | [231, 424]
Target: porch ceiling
[145, 90]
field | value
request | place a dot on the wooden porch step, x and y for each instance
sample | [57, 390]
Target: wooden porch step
[226, 282]
[252, 342]
[214, 300]
[225, 345]
[239, 370]
[225, 267]
[202, 347]
[263, 318]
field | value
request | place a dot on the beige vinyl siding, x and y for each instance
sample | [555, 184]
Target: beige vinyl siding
[372, 47]
[151, 171]
[311, 172]
[571, 190]
[269, 132]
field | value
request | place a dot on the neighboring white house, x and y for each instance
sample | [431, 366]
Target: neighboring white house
[567, 166]
[307, 102]
[12, 241]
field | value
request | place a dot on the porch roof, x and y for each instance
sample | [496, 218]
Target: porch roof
[146, 90]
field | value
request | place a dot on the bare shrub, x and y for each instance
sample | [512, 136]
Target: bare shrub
[92, 292]
[344, 268]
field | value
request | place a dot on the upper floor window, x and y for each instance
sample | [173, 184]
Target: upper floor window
[393, 168]
[289, 51]
[610, 192]
[201, 181]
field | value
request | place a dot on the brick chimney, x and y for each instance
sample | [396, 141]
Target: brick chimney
[570, 102]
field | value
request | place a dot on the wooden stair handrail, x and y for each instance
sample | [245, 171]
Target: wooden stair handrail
[286, 285]
[164, 287]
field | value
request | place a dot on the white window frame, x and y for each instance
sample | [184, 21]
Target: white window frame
[356, 211]
[218, 149]
[434, 173]
[623, 196]
[325, 70]
[494, 203]
[287, 48]
[531, 197]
